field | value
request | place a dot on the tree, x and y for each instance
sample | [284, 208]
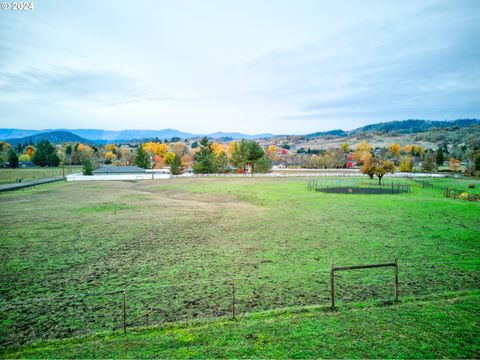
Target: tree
[176, 166]
[378, 167]
[263, 165]
[204, 160]
[169, 157]
[13, 158]
[406, 164]
[87, 167]
[109, 157]
[453, 164]
[30, 150]
[221, 162]
[439, 158]
[394, 150]
[477, 163]
[363, 153]
[141, 157]
[429, 163]
[345, 147]
[255, 152]
[45, 154]
[240, 155]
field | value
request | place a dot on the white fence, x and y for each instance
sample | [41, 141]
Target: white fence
[318, 173]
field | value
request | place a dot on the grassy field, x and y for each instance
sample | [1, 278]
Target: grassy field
[437, 328]
[176, 245]
[14, 175]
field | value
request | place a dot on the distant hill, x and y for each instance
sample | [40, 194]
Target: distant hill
[103, 136]
[339, 133]
[52, 136]
[414, 126]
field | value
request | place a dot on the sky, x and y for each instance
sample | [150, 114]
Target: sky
[252, 66]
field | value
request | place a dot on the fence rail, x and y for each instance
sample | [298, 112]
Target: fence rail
[394, 264]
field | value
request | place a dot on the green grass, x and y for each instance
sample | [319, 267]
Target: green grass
[14, 175]
[174, 244]
[441, 328]
[461, 184]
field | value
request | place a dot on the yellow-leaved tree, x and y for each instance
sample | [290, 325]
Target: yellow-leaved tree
[394, 149]
[363, 152]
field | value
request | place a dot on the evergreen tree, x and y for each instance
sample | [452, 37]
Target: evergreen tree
[45, 154]
[87, 167]
[13, 158]
[477, 163]
[439, 157]
[141, 157]
[204, 161]
[255, 153]
[176, 166]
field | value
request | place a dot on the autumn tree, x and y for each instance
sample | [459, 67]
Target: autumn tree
[168, 157]
[363, 153]
[141, 157]
[378, 167]
[271, 153]
[406, 163]
[394, 150]
[109, 157]
[345, 147]
[111, 147]
[453, 164]
[30, 150]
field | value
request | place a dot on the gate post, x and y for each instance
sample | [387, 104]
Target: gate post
[395, 279]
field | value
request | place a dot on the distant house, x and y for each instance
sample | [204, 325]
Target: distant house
[118, 170]
[26, 164]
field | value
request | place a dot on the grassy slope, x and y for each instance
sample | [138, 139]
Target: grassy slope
[177, 240]
[430, 329]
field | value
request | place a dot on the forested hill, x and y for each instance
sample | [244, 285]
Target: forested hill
[415, 126]
[52, 136]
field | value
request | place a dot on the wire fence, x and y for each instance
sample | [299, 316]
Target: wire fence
[449, 192]
[358, 187]
[137, 305]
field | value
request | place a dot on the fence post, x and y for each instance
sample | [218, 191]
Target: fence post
[233, 300]
[332, 287]
[395, 279]
[124, 313]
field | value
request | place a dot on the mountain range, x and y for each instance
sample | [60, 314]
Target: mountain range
[102, 136]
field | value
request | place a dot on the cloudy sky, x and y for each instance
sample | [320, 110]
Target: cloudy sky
[238, 65]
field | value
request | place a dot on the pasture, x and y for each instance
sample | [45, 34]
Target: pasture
[175, 246]
[8, 176]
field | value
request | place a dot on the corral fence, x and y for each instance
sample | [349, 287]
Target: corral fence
[339, 186]
[449, 192]
[154, 303]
